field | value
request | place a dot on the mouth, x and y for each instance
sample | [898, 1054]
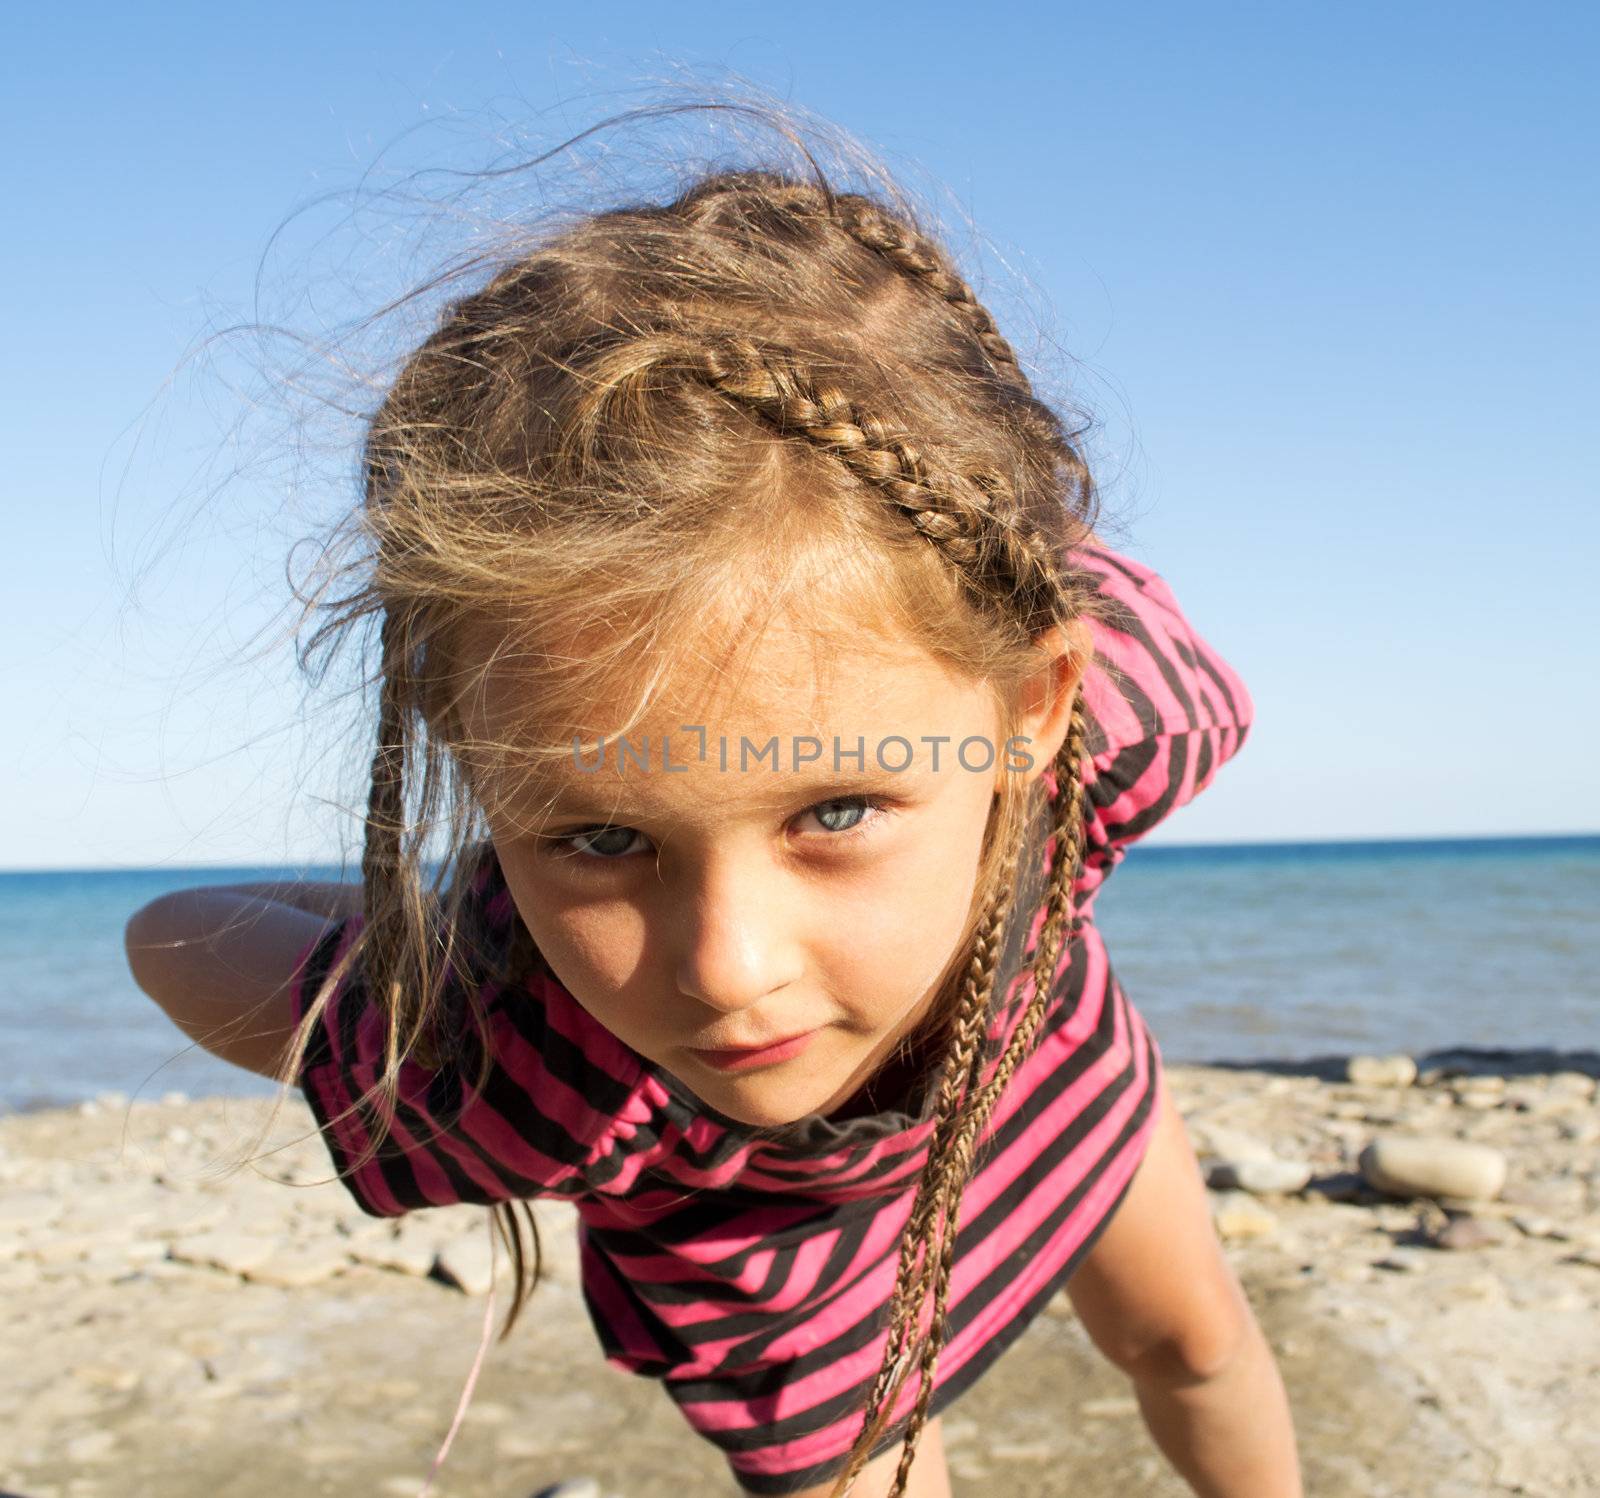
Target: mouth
[748, 1057]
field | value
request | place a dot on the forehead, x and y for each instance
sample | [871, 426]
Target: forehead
[789, 676]
[784, 674]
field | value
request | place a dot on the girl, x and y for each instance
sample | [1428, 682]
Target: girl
[747, 650]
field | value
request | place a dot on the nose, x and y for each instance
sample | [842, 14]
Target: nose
[737, 932]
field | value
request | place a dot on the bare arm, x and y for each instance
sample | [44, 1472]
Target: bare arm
[325, 898]
[219, 959]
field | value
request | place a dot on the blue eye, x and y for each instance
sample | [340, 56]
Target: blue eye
[848, 815]
[852, 805]
[592, 842]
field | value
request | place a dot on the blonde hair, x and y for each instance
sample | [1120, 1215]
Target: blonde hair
[764, 393]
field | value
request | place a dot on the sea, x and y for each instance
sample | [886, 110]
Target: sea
[1244, 953]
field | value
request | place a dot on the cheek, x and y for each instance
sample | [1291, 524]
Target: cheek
[892, 939]
[594, 948]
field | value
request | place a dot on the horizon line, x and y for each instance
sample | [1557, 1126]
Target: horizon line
[1139, 845]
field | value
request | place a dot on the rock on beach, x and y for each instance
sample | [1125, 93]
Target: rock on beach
[1268, 1177]
[1237, 1214]
[1406, 1167]
[1381, 1071]
[1462, 1234]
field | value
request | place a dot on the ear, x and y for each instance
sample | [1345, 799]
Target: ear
[1046, 697]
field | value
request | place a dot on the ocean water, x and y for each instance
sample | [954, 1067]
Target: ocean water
[1288, 951]
[1247, 953]
[72, 1021]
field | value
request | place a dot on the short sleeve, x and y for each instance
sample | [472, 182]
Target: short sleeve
[540, 1122]
[1165, 710]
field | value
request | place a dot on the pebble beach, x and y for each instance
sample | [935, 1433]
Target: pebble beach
[1419, 1235]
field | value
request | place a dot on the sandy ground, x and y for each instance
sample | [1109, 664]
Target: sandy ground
[173, 1335]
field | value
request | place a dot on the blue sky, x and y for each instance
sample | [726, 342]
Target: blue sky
[1323, 275]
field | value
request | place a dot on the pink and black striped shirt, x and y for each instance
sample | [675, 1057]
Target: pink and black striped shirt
[751, 1270]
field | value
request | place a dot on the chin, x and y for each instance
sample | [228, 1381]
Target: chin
[769, 1106]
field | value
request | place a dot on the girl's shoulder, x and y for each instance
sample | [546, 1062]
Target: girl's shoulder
[1153, 673]
[1165, 710]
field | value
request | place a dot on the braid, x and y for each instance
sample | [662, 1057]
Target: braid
[959, 1070]
[972, 518]
[914, 255]
[772, 208]
[388, 927]
[919, 258]
[923, 260]
[961, 1120]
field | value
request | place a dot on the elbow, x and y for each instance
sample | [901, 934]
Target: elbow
[136, 944]
[148, 944]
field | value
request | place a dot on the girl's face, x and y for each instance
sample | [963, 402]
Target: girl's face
[692, 908]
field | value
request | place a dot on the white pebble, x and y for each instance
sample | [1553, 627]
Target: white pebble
[1260, 1177]
[1402, 1166]
[1108, 1409]
[1236, 1214]
[1381, 1071]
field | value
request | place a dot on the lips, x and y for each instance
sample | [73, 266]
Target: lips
[747, 1057]
[737, 1050]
